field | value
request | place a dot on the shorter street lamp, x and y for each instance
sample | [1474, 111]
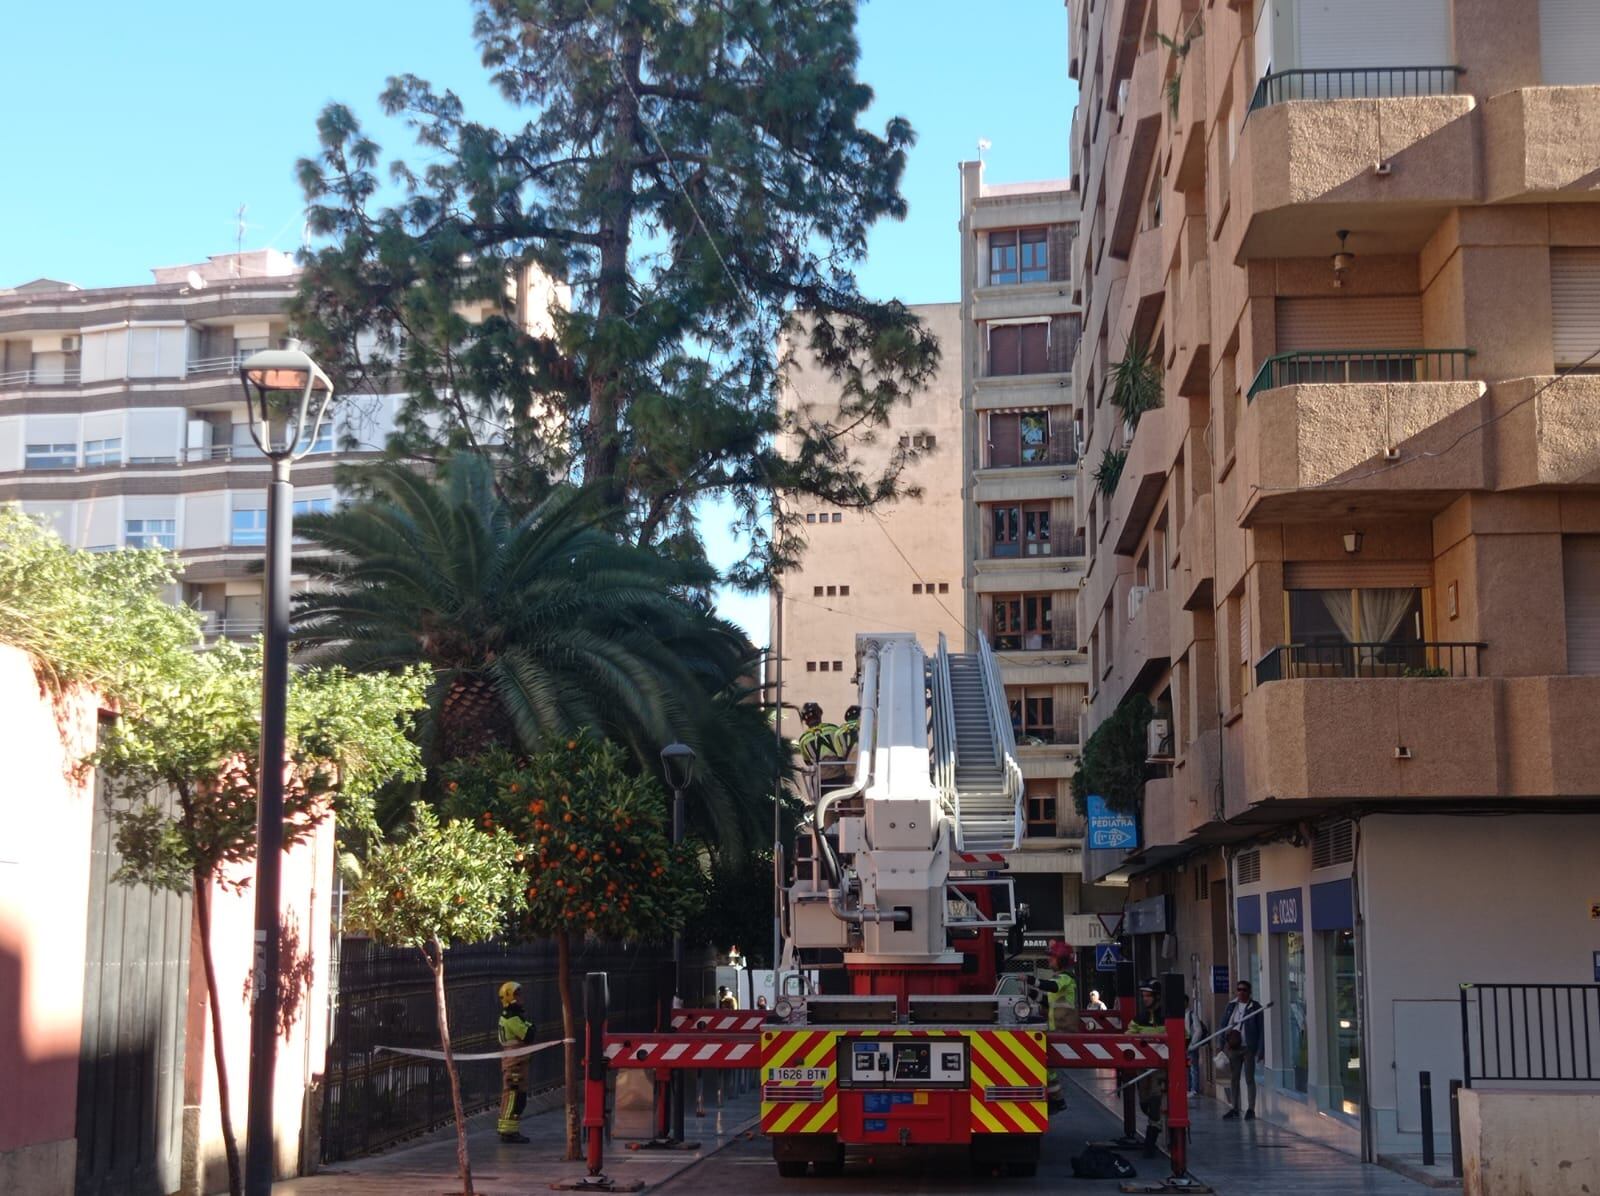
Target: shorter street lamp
[677, 761]
[286, 395]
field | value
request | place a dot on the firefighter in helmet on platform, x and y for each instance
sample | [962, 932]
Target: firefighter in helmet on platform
[515, 1030]
[1060, 989]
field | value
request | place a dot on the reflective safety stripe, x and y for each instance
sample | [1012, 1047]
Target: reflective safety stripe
[1008, 1083]
[799, 1106]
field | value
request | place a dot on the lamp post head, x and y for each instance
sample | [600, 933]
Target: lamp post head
[284, 390]
[678, 761]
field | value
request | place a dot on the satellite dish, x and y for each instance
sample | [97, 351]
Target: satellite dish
[196, 283]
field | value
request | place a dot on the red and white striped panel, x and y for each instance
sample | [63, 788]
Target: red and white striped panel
[682, 1050]
[719, 1021]
[983, 861]
[1106, 1050]
[1101, 1023]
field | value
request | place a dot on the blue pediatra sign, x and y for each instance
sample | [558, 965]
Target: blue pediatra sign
[1108, 830]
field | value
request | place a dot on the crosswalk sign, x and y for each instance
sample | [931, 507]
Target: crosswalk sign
[1106, 957]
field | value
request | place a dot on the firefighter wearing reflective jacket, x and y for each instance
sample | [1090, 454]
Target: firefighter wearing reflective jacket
[1152, 1089]
[1063, 1007]
[515, 1030]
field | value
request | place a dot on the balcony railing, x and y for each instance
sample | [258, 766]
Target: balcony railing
[1062, 452]
[1288, 662]
[1362, 365]
[217, 365]
[1061, 735]
[18, 379]
[1059, 544]
[229, 629]
[1053, 639]
[1355, 83]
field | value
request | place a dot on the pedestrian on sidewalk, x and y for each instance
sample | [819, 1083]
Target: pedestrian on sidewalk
[515, 1030]
[725, 999]
[1152, 1089]
[1095, 1003]
[1243, 1037]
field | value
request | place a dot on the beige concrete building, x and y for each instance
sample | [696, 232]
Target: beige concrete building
[1024, 557]
[894, 569]
[122, 421]
[1353, 555]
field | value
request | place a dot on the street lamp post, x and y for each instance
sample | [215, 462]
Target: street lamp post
[286, 396]
[677, 760]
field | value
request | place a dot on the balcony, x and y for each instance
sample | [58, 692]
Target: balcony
[1061, 638]
[27, 379]
[1132, 151]
[1391, 166]
[1535, 146]
[1193, 579]
[1355, 83]
[1368, 660]
[1419, 739]
[1362, 365]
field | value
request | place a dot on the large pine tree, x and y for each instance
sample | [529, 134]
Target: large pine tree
[696, 172]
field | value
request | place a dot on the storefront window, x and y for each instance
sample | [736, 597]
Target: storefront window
[1336, 962]
[1289, 993]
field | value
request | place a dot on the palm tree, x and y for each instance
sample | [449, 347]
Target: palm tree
[537, 624]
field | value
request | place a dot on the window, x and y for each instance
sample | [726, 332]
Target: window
[1336, 963]
[838, 666]
[150, 533]
[944, 587]
[844, 591]
[313, 506]
[1020, 530]
[1041, 794]
[249, 527]
[103, 452]
[1019, 348]
[1033, 715]
[1020, 622]
[324, 441]
[51, 456]
[832, 590]
[811, 516]
[838, 517]
[916, 587]
[1575, 307]
[1355, 632]
[1018, 255]
[816, 591]
[1019, 438]
[1289, 992]
[811, 666]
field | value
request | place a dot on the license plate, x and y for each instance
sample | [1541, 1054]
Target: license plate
[810, 1074]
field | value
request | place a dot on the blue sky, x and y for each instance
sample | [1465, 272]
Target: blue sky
[137, 132]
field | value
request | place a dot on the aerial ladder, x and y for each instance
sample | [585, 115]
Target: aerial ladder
[899, 902]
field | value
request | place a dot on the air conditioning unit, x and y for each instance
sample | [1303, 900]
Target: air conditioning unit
[71, 344]
[1160, 739]
[1136, 597]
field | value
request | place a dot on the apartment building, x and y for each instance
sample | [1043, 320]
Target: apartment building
[1339, 265]
[1023, 554]
[122, 421]
[894, 569]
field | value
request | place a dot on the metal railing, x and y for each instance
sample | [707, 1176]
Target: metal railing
[14, 379]
[1368, 660]
[1056, 545]
[1000, 720]
[217, 365]
[944, 732]
[230, 629]
[1062, 637]
[1355, 83]
[1530, 1032]
[1361, 365]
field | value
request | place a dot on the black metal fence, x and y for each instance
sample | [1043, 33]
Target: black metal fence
[1340, 659]
[1355, 83]
[1530, 1032]
[384, 997]
[1308, 366]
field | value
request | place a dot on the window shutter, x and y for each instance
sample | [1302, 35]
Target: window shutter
[1060, 252]
[1580, 563]
[1569, 41]
[1249, 868]
[1035, 348]
[1370, 322]
[1244, 632]
[1064, 333]
[1357, 575]
[1004, 349]
[1575, 304]
[1334, 843]
[1373, 33]
[1003, 440]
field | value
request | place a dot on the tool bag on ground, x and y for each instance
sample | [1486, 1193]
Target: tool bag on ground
[1101, 1162]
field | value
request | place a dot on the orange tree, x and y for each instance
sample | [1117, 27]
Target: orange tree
[596, 851]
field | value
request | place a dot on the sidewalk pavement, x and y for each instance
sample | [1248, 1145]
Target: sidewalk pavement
[1257, 1158]
[428, 1167]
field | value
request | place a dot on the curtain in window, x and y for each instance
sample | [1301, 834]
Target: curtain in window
[1382, 612]
[1341, 609]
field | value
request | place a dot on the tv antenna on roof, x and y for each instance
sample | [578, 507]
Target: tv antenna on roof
[238, 240]
[983, 147]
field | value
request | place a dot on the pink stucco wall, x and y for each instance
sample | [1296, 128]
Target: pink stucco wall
[44, 883]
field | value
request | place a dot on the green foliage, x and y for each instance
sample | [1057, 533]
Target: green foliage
[736, 910]
[438, 885]
[1113, 759]
[95, 618]
[1135, 381]
[1424, 671]
[1109, 472]
[593, 850]
[538, 625]
[1174, 85]
[199, 736]
[699, 176]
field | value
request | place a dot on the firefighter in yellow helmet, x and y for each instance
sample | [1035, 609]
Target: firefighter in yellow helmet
[515, 1030]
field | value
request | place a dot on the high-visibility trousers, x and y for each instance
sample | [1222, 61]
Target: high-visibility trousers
[513, 1094]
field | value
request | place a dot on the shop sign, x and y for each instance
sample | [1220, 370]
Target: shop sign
[1284, 912]
[1146, 917]
[1108, 830]
[1219, 978]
